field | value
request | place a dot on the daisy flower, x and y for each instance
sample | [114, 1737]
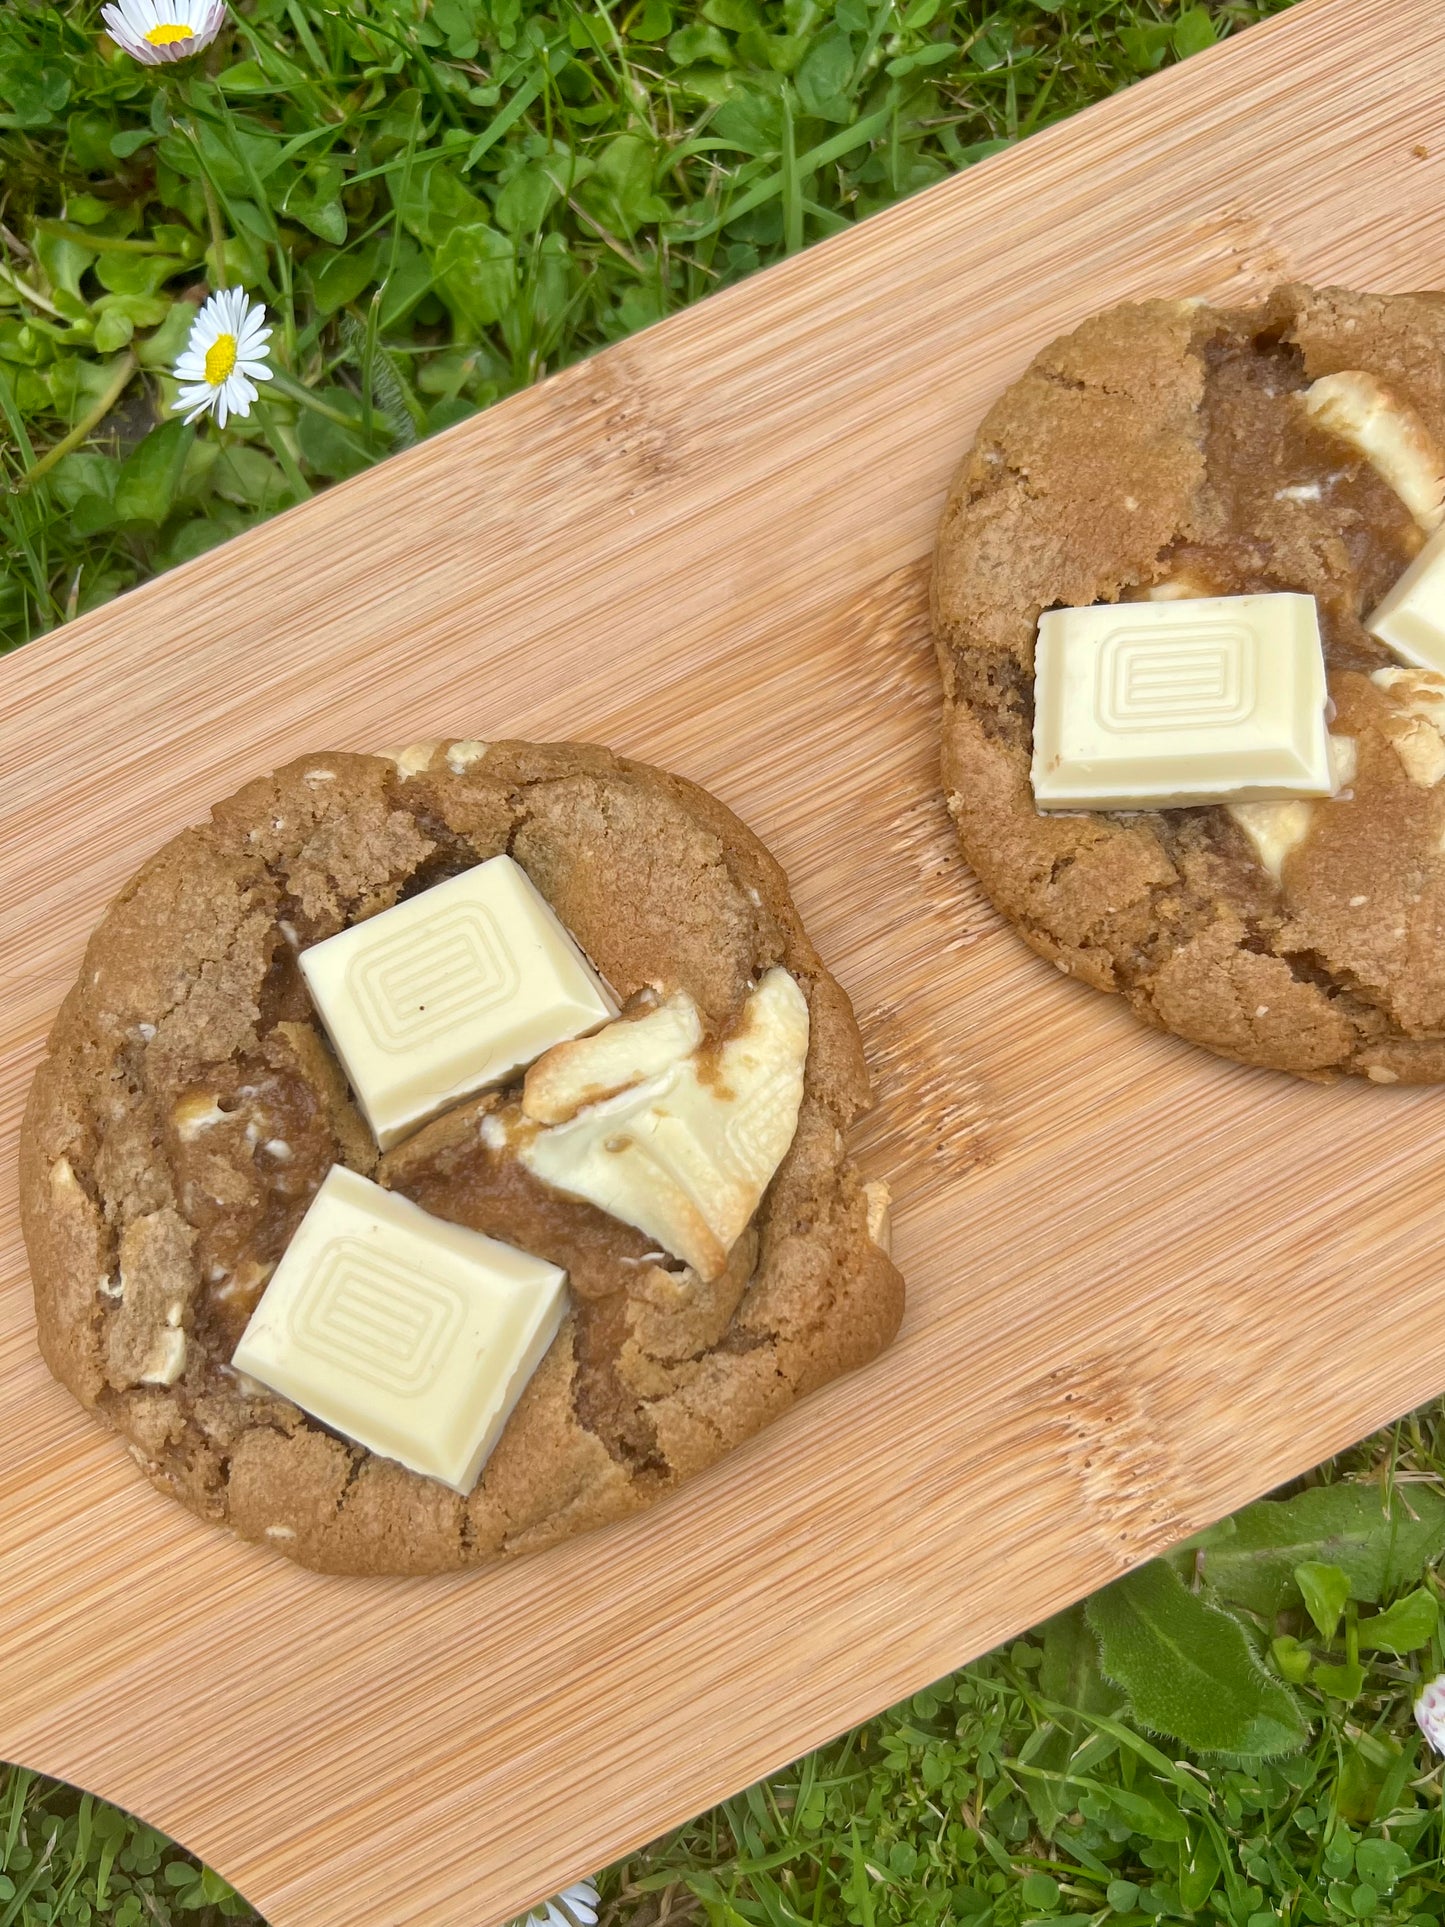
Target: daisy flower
[1430, 1713]
[153, 31]
[575, 1906]
[224, 357]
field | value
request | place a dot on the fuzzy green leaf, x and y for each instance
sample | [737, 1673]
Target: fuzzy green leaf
[1188, 1669]
[1251, 1558]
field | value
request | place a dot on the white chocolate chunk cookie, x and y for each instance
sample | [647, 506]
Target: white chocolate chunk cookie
[190, 1109]
[1161, 454]
[686, 1154]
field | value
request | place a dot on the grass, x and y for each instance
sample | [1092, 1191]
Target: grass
[440, 201]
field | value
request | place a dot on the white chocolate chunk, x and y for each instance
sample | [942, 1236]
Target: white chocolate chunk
[410, 1335]
[1274, 829]
[194, 1113]
[1382, 426]
[687, 1155]
[879, 1200]
[412, 760]
[1411, 618]
[570, 1076]
[1180, 588]
[1150, 705]
[167, 1359]
[461, 756]
[1277, 828]
[450, 992]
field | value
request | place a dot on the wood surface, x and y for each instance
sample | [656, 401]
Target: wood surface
[1145, 1286]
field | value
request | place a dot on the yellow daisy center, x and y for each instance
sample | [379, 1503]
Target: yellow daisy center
[169, 33]
[220, 359]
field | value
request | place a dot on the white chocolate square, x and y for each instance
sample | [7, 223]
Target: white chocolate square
[1411, 619]
[1157, 705]
[450, 991]
[412, 1336]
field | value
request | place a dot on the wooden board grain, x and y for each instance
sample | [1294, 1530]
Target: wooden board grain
[1139, 1278]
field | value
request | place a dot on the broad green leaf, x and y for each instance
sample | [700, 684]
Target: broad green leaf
[1200, 1866]
[1193, 32]
[433, 203]
[1069, 1676]
[823, 78]
[1325, 1590]
[621, 189]
[113, 331]
[1382, 1862]
[35, 95]
[1404, 1627]
[1143, 1808]
[477, 273]
[83, 473]
[64, 261]
[1188, 1669]
[331, 449]
[136, 273]
[529, 196]
[752, 119]
[315, 201]
[146, 485]
[246, 77]
[652, 21]
[1251, 1558]
[337, 279]
[141, 310]
[738, 16]
[245, 476]
[1342, 1682]
[124, 145]
[694, 45]
[160, 349]
[1292, 1659]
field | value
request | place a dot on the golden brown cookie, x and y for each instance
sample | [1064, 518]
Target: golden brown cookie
[188, 1108]
[1174, 448]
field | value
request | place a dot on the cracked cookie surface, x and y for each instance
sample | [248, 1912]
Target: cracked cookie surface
[1168, 448]
[188, 1108]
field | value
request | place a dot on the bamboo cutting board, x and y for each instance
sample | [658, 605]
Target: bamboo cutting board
[1145, 1286]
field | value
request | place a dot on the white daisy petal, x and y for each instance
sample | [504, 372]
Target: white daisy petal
[257, 370]
[132, 23]
[1430, 1713]
[577, 1903]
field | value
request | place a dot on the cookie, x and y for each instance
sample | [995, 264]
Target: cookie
[189, 1106]
[1170, 448]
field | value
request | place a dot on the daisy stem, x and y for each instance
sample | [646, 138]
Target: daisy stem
[285, 384]
[213, 206]
[124, 368]
[285, 454]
